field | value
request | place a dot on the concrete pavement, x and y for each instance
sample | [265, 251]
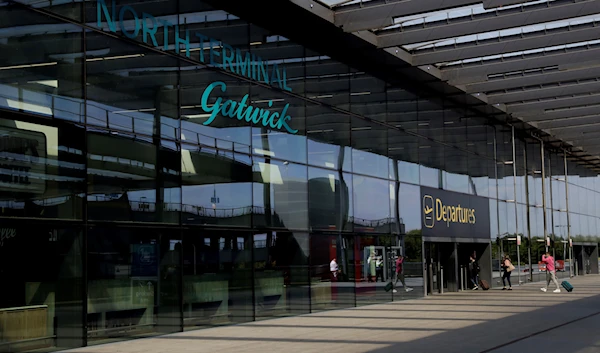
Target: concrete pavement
[475, 321]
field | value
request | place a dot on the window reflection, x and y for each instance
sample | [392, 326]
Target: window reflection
[280, 274]
[38, 83]
[217, 278]
[328, 135]
[330, 199]
[133, 283]
[41, 170]
[287, 142]
[280, 194]
[125, 92]
[216, 186]
[371, 204]
[35, 293]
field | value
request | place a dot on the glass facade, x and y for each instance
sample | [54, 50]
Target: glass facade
[168, 166]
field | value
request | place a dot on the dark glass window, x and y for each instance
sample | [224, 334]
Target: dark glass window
[280, 194]
[369, 149]
[41, 269]
[283, 135]
[42, 170]
[126, 93]
[134, 276]
[371, 204]
[217, 278]
[216, 186]
[281, 274]
[330, 199]
[43, 73]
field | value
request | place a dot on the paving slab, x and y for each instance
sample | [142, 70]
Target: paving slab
[465, 322]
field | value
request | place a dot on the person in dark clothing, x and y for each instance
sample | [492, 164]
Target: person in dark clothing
[379, 269]
[507, 266]
[474, 271]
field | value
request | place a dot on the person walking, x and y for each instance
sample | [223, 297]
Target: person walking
[550, 272]
[474, 271]
[334, 269]
[379, 269]
[372, 271]
[508, 267]
[400, 274]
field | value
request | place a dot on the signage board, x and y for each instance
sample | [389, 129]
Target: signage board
[212, 52]
[454, 215]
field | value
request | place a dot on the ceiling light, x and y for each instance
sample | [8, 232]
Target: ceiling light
[28, 66]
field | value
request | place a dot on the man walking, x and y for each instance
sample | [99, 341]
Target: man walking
[550, 272]
[400, 274]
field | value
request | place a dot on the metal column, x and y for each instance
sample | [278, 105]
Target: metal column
[544, 194]
[514, 164]
[568, 214]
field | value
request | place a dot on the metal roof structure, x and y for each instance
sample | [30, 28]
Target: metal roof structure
[537, 61]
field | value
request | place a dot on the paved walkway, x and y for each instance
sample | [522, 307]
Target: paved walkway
[524, 320]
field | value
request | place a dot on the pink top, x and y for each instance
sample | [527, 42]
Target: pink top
[399, 262]
[549, 261]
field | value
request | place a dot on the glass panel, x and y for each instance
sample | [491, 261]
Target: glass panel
[371, 204]
[283, 136]
[403, 148]
[369, 149]
[216, 186]
[331, 288]
[126, 93]
[328, 138]
[134, 276]
[217, 278]
[281, 275]
[330, 199]
[44, 74]
[455, 174]
[42, 171]
[377, 268]
[368, 96]
[280, 194]
[42, 300]
[122, 174]
[431, 162]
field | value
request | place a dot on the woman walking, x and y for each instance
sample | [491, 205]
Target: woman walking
[508, 267]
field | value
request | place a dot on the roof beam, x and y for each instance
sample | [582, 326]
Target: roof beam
[583, 121]
[531, 94]
[564, 114]
[554, 104]
[485, 23]
[476, 73]
[576, 134]
[381, 14]
[507, 45]
[533, 80]
[491, 4]
[587, 121]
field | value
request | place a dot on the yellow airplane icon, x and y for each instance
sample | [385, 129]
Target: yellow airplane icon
[428, 209]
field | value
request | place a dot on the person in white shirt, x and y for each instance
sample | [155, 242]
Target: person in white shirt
[334, 269]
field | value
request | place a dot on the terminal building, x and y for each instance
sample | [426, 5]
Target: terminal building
[174, 165]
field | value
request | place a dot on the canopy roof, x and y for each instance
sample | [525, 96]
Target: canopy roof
[535, 60]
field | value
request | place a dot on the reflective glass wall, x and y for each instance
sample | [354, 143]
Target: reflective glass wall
[198, 170]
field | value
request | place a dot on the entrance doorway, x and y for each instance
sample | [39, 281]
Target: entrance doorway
[441, 268]
[447, 265]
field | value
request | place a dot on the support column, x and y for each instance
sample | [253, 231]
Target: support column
[571, 266]
[544, 194]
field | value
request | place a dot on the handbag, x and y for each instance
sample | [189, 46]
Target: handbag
[510, 267]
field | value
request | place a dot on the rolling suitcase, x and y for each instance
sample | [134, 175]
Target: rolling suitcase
[566, 285]
[484, 284]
